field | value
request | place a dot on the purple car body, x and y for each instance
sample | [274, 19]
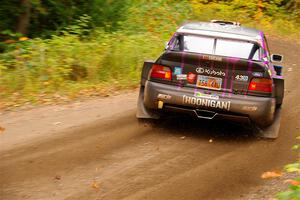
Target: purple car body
[213, 70]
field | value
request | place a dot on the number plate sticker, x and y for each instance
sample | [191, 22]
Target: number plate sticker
[209, 82]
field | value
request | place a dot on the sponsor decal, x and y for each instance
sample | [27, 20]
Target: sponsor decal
[250, 108]
[164, 96]
[200, 70]
[212, 72]
[270, 72]
[177, 70]
[191, 77]
[160, 104]
[214, 58]
[181, 76]
[257, 74]
[241, 78]
[208, 96]
[211, 103]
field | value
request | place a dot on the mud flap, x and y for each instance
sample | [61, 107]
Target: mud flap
[142, 112]
[272, 131]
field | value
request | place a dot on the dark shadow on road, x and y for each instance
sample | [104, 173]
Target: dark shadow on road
[222, 130]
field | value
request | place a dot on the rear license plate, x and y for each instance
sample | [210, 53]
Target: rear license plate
[209, 82]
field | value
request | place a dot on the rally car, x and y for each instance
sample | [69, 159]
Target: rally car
[213, 70]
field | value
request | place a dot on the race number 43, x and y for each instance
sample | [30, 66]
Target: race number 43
[241, 78]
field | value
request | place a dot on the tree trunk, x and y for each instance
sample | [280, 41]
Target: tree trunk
[24, 18]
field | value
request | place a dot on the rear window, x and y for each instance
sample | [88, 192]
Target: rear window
[199, 44]
[239, 49]
[217, 46]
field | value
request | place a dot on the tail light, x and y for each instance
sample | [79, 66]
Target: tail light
[163, 72]
[260, 85]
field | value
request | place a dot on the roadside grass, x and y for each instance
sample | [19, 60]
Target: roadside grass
[69, 66]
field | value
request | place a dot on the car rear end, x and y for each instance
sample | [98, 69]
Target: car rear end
[211, 77]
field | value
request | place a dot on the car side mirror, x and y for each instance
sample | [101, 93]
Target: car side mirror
[276, 58]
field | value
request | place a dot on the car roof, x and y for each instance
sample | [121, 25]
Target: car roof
[225, 30]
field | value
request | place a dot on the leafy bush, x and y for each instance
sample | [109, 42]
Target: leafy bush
[293, 193]
[270, 16]
[69, 62]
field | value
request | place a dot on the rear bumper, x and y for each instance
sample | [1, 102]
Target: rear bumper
[214, 105]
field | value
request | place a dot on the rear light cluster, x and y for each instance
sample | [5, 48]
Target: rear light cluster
[165, 73]
[162, 72]
[261, 85]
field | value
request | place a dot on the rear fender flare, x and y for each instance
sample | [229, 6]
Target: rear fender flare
[142, 111]
[279, 90]
[145, 71]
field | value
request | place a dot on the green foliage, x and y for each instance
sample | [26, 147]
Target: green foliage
[270, 16]
[289, 195]
[81, 27]
[49, 16]
[293, 193]
[9, 8]
[159, 17]
[109, 14]
[70, 62]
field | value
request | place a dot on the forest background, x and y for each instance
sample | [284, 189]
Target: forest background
[60, 50]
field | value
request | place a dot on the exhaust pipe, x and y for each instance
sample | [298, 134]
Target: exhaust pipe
[205, 114]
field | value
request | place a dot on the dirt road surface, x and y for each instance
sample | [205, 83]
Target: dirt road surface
[96, 149]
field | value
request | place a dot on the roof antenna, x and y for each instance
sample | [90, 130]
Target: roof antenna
[222, 22]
